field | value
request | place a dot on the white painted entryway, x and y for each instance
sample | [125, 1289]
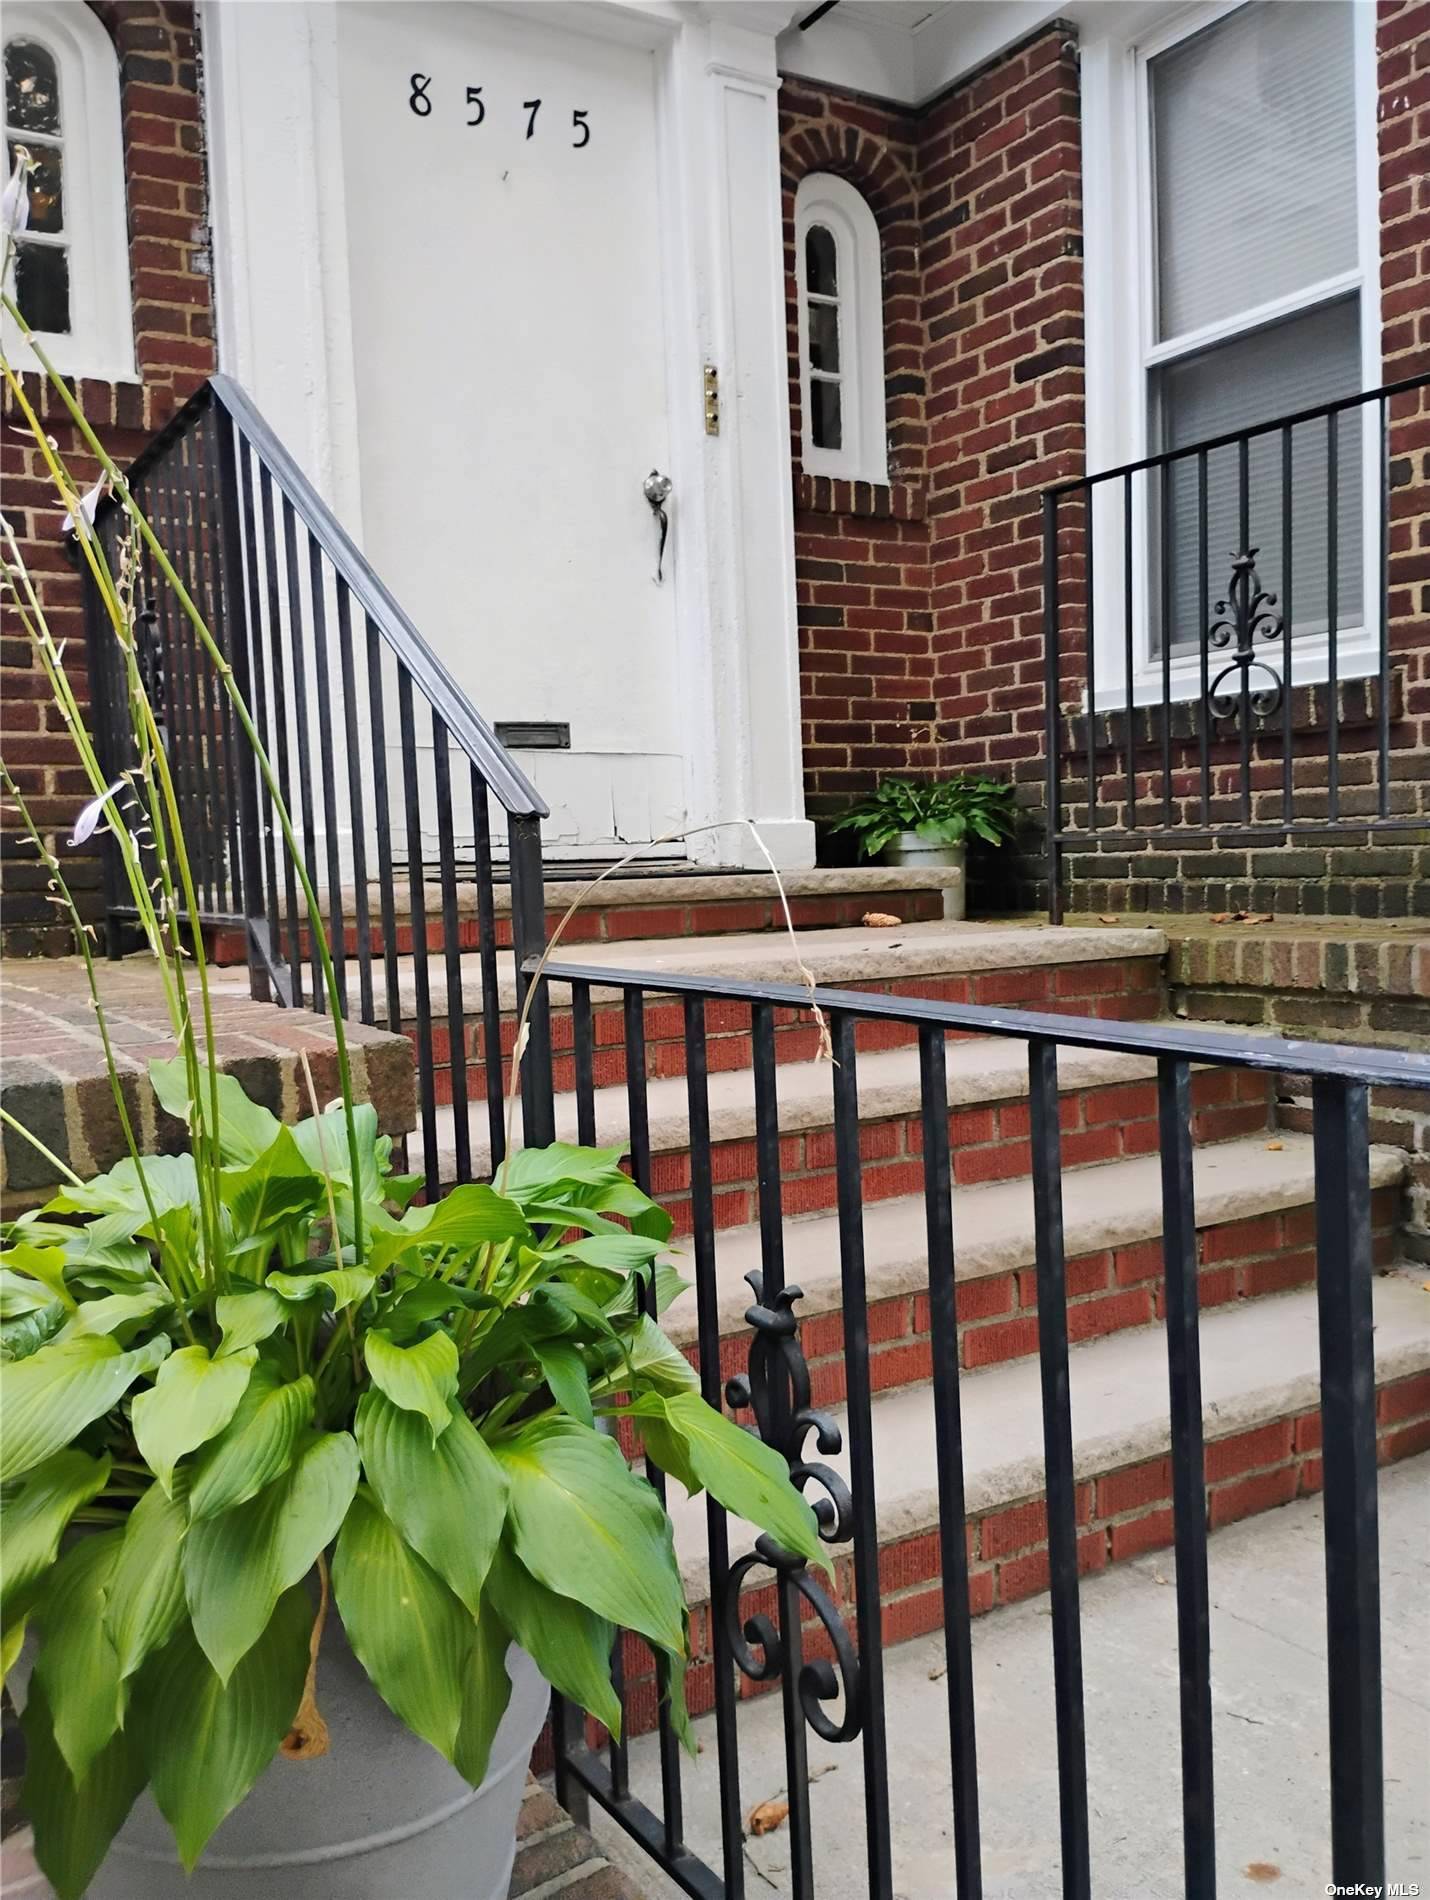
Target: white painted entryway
[509, 354]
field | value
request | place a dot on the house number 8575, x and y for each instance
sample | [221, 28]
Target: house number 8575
[420, 103]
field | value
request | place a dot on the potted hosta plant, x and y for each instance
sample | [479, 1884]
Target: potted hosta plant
[311, 1491]
[928, 822]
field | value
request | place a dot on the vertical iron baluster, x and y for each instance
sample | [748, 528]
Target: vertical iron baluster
[357, 817]
[638, 1147]
[1164, 555]
[1288, 747]
[1129, 817]
[948, 1429]
[707, 1299]
[208, 785]
[1058, 1464]
[672, 1804]
[1089, 632]
[178, 672]
[583, 1050]
[528, 937]
[298, 659]
[280, 721]
[382, 824]
[859, 1407]
[1333, 585]
[767, 1152]
[487, 958]
[1052, 734]
[258, 673]
[107, 693]
[246, 798]
[323, 690]
[223, 777]
[417, 904]
[1383, 606]
[1348, 1458]
[1184, 1374]
[1204, 711]
[1243, 463]
[452, 954]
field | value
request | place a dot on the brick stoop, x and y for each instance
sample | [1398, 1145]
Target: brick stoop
[555, 1856]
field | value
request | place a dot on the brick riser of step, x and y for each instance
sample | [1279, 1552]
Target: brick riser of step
[988, 1143]
[619, 923]
[1126, 989]
[1122, 1513]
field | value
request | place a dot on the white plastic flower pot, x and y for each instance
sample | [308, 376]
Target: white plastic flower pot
[918, 854]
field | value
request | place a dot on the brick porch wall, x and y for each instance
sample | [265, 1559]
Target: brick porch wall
[166, 195]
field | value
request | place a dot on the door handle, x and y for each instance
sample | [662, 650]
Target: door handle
[656, 489]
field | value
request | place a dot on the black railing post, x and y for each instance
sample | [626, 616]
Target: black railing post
[1348, 1453]
[234, 638]
[1050, 698]
[528, 937]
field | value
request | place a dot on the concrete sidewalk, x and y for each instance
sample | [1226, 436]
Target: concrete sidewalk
[1269, 1688]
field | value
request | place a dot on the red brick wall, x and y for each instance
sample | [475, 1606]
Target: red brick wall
[861, 548]
[167, 204]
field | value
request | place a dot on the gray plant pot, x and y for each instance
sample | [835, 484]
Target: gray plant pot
[917, 854]
[381, 1815]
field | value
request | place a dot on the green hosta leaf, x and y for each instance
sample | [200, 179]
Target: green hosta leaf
[255, 1447]
[565, 1372]
[670, 1673]
[44, 1271]
[245, 1319]
[470, 1216]
[117, 1310]
[19, 1295]
[419, 1378]
[35, 1520]
[657, 1363]
[146, 1591]
[569, 1644]
[11, 1643]
[245, 1131]
[559, 1164]
[74, 1822]
[584, 1525]
[51, 1396]
[486, 1691]
[279, 1186]
[323, 1141]
[192, 1400]
[77, 1667]
[423, 1300]
[407, 1630]
[238, 1565]
[172, 1181]
[610, 1250]
[448, 1501]
[739, 1470]
[338, 1289]
[19, 1338]
[206, 1741]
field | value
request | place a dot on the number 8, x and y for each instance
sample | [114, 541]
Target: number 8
[417, 98]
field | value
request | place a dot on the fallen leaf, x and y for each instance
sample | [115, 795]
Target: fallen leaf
[942, 1668]
[1223, 916]
[1157, 1577]
[880, 920]
[1275, 1147]
[827, 1768]
[1262, 1870]
[767, 1817]
[1258, 917]
[1109, 920]
[1425, 1286]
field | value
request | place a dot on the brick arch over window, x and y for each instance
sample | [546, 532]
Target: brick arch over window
[872, 148]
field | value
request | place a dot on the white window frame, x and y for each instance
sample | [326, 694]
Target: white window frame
[1122, 350]
[825, 199]
[100, 340]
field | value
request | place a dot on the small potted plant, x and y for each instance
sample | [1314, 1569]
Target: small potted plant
[928, 822]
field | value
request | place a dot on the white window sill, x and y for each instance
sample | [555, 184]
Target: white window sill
[1357, 657]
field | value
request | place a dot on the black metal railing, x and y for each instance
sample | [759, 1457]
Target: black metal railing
[385, 768]
[1219, 634]
[836, 1686]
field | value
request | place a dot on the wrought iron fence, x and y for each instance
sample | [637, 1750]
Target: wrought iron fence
[1219, 638]
[382, 763]
[839, 1691]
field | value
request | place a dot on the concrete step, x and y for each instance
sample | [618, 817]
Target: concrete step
[1260, 1388]
[1115, 974]
[1108, 1109]
[674, 903]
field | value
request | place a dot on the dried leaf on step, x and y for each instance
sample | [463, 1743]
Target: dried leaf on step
[1263, 1871]
[880, 920]
[1258, 917]
[1223, 916]
[767, 1817]
[1109, 920]
[1275, 1147]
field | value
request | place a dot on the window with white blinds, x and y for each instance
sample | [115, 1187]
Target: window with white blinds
[1256, 302]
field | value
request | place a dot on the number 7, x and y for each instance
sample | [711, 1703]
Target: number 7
[532, 106]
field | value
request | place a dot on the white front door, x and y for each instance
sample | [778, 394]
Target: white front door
[509, 352]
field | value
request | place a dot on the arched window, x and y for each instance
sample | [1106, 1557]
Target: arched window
[70, 270]
[841, 331]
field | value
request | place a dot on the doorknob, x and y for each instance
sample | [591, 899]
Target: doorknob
[656, 489]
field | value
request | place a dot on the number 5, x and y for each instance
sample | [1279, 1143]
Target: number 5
[578, 121]
[474, 98]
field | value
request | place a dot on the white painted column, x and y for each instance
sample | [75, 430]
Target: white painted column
[747, 762]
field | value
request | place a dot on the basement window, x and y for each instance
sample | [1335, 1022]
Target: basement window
[841, 331]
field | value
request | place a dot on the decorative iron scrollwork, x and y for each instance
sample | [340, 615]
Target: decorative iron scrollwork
[153, 671]
[776, 1389]
[1245, 617]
